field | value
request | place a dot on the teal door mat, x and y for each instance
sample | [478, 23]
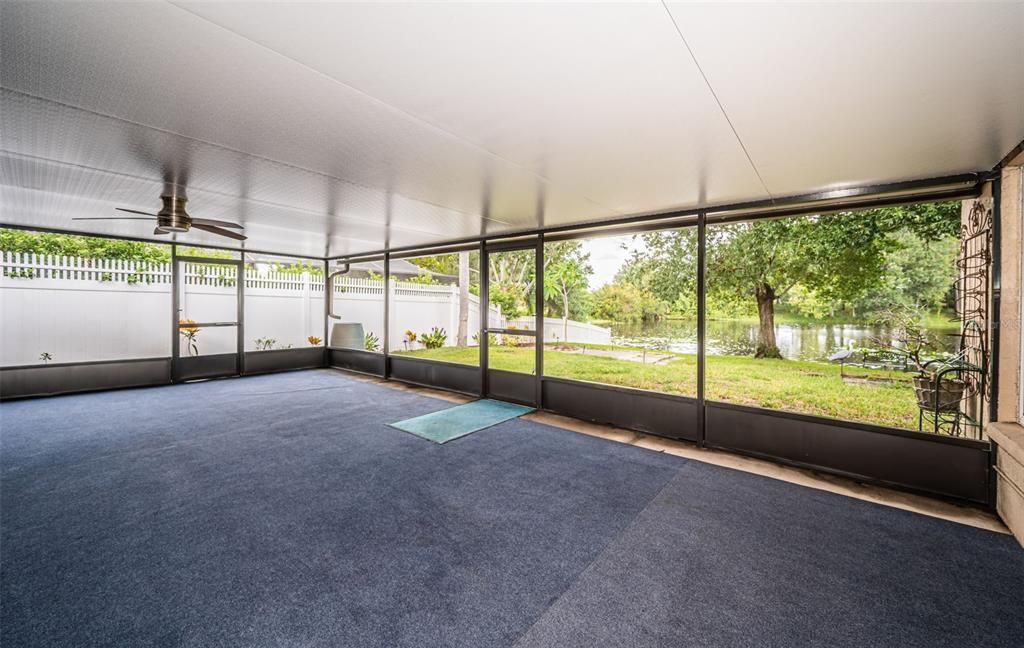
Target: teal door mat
[458, 421]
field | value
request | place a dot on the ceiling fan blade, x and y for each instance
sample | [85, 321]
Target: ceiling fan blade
[159, 231]
[114, 218]
[216, 223]
[219, 231]
[134, 211]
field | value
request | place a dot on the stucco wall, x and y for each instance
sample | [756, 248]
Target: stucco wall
[1009, 433]
[1012, 222]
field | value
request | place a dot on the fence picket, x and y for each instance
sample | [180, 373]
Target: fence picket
[418, 306]
[74, 268]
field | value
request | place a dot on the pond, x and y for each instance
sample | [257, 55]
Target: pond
[739, 337]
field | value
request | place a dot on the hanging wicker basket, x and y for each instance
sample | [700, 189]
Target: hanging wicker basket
[946, 395]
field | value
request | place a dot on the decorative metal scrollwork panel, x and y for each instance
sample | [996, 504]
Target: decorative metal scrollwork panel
[974, 266]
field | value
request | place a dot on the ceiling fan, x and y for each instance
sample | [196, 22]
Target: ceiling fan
[173, 218]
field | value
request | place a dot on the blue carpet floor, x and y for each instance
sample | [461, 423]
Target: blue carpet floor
[458, 421]
[282, 511]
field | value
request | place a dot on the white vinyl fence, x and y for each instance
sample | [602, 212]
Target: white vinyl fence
[414, 307]
[557, 329]
[79, 310]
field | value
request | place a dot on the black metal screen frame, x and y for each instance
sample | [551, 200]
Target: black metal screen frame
[670, 415]
[553, 393]
[373, 363]
[497, 383]
[214, 365]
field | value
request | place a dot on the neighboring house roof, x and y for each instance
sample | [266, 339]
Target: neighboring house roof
[402, 268]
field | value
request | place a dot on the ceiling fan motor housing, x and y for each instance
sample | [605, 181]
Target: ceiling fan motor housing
[172, 216]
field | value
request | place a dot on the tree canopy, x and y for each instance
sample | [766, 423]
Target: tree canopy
[814, 266]
[834, 259]
[95, 247]
[87, 247]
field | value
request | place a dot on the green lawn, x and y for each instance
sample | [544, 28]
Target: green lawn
[794, 385]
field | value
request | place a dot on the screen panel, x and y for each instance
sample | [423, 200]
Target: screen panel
[69, 299]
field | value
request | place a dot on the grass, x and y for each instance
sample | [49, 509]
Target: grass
[794, 385]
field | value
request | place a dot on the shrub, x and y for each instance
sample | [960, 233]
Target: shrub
[510, 299]
[624, 302]
[492, 339]
[371, 342]
[424, 277]
[435, 339]
[265, 344]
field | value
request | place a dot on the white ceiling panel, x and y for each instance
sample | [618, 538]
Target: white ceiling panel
[336, 128]
[93, 151]
[599, 98]
[158, 67]
[826, 94]
[51, 210]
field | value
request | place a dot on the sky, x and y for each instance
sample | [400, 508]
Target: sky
[607, 256]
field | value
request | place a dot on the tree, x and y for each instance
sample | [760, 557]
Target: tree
[563, 276]
[566, 268]
[443, 264]
[919, 276]
[828, 258]
[462, 336]
[666, 266]
[838, 256]
[763, 258]
[511, 281]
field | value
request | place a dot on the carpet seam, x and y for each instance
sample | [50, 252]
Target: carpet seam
[604, 550]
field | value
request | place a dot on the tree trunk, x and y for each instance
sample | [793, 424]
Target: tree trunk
[766, 344]
[461, 338]
[565, 315]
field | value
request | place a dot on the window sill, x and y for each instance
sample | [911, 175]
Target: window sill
[1009, 437]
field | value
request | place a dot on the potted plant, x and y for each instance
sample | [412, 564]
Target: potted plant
[935, 393]
[313, 340]
[933, 390]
